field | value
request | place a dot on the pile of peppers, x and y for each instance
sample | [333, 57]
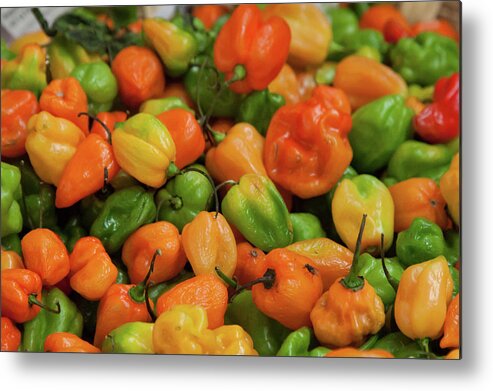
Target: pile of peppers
[271, 180]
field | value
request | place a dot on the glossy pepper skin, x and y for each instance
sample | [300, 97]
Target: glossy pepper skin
[322, 123]
[175, 46]
[306, 226]
[11, 336]
[378, 129]
[27, 71]
[297, 344]
[261, 47]
[109, 119]
[424, 292]
[144, 149]
[64, 342]
[450, 188]
[425, 58]
[177, 204]
[439, 122]
[99, 84]
[353, 352]
[184, 330]
[363, 194]
[65, 55]
[51, 142]
[132, 337]
[257, 210]
[286, 84]
[11, 260]
[11, 198]
[160, 105]
[451, 327]
[17, 107]
[249, 263]
[123, 212]
[344, 23]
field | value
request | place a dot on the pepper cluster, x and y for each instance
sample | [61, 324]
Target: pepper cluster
[273, 180]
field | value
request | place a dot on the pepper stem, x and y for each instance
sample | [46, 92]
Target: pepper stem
[352, 280]
[151, 312]
[137, 293]
[392, 281]
[32, 300]
[172, 170]
[268, 280]
[105, 127]
[232, 283]
[50, 32]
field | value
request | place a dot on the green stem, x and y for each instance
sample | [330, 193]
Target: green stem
[392, 281]
[151, 312]
[232, 283]
[268, 280]
[137, 293]
[352, 280]
[50, 32]
[424, 344]
[32, 300]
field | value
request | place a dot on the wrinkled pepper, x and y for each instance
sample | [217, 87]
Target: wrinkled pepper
[11, 199]
[306, 226]
[11, 336]
[353, 352]
[160, 105]
[63, 342]
[286, 85]
[450, 188]
[451, 327]
[298, 344]
[249, 263]
[132, 337]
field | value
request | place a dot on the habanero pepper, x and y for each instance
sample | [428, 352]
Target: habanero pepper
[450, 188]
[439, 26]
[306, 226]
[209, 13]
[11, 199]
[160, 105]
[353, 352]
[131, 337]
[377, 16]
[249, 263]
[286, 85]
[11, 336]
[10, 260]
[109, 119]
[297, 344]
[451, 326]
[64, 342]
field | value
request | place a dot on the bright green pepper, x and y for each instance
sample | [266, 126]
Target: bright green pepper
[123, 212]
[257, 210]
[299, 343]
[12, 243]
[99, 84]
[158, 106]
[6, 53]
[379, 127]
[344, 23]
[267, 334]
[425, 58]
[372, 270]
[325, 73]
[64, 56]
[306, 226]
[132, 337]
[258, 108]
[178, 204]
[11, 199]
[69, 320]
[90, 209]
[368, 38]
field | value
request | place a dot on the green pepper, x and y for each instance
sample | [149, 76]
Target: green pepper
[178, 204]
[74, 231]
[64, 56]
[12, 243]
[299, 343]
[369, 52]
[158, 106]
[203, 84]
[69, 320]
[344, 23]
[361, 38]
[131, 337]
[257, 210]
[11, 199]
[155, 291]
[379, 128]
[425, 58]
[6, 53]
[89, 312]
[258, 109]
[454, 273]
[306, 226]
[418, 159]
[90, 209]
[325, 73]
[267, 334]
[99, 84]
[123, 212]
[372, 270]
[122, 180]
[422, 241]
[396, 343]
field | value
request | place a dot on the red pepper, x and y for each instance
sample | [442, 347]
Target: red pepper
[109, 119]
[394, 30]
[260, 46]
[439, 121]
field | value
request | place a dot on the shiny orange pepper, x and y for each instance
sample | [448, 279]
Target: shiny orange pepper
[66, 342]
[139, 248]
[377, 16]
[238, 154]
[450, 188]
[439, 26]
[364, 80]
[186, 133]
[45, 254]
[17, 107]
[11, 260]
[453, 355]
[306, 149]
[91, 270]
[65, 98]
[259, 44]
[451, 327]
[205, 290]
[290, 288]
[11, 336]
[420, 306]
[140, 75]
[286, 84]
[209, 242]
[353, 352]
[417, 197]
[109, 119]
[249, 263]
[209, 14]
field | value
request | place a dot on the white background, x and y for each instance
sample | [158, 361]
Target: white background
[474, 371]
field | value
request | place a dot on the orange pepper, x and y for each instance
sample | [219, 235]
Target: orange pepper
[286, 84]
[91, 270]
[205, 290]
[45, 254]
[139, 248]
[109, 119]
[365, 80]
[65, 98]
[238, 154]
[353, 352]
[186, 133]
[377, 16]
[306, 149]
[249, 263]
[209, 242]
[66, 342]
[417, 197]
[11, 336]
[450, 188]
[451, 327]
[139, 74]
[11, 260]
[291, 286]
[17, 107]
[306, 84]
[178, 90]
[135, 27]
[453, 355]
[209, 14]
[439, 26]
[415, 104]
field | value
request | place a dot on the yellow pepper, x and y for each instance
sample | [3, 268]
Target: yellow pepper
[450, 188]
[37, 37]
[51, 142]
[144, 149]
[184, 330]
[364, 194]
[424, 292]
